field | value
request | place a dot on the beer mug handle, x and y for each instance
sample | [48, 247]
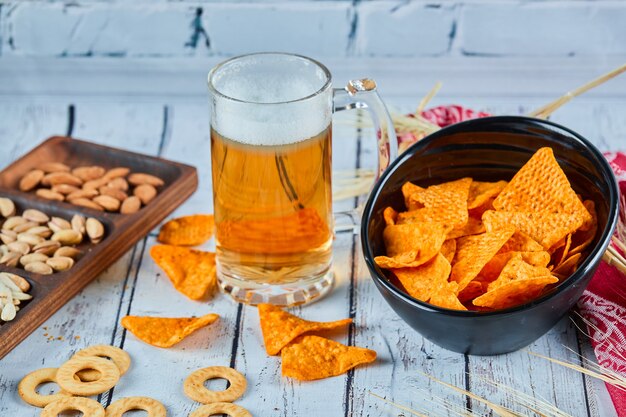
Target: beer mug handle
[362, 94]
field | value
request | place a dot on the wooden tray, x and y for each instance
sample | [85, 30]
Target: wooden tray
[50, 292]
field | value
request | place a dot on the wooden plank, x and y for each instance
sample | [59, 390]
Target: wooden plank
[90, 317]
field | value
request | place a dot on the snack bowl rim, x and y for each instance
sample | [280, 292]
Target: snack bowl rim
[588, 265]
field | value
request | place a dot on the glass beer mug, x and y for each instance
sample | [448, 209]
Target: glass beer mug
[271, 166]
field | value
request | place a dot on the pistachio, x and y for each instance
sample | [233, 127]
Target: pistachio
[49, 194]
[12, 222]
[47, 247]
[20, 228]
[88, 173]
[60, 263]
[54, 167]
[82, 194]
[64, 189]
[95, 230]
[109, 203]
[61, 178]
[33, 257]
[19, 247]
[67, 251]
[11, 259]
[145, 192]
[31, 180]
[130, 205]
[29, 238]
[57, 223]
[43, 231]
[7, 207]
[113, 192]
[8, 236]
[78, 223]
[39, 268]
[117, 172]
[119, 183]
[84, 202]
[140, 178]
[35, 216]
[67, 237]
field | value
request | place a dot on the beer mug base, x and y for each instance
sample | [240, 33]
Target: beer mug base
[303, 291]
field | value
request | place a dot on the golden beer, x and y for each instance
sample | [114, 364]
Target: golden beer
[273, 208]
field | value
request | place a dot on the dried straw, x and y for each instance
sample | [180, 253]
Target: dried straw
[616, 251]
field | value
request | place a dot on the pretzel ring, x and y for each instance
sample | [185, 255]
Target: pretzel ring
[27, 388]
[109, 375]
[149, 405]
[119, 357]
[194, 385]
[232, 410]
[87, 406]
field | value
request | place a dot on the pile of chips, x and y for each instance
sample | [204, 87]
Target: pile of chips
[482, 246]
[304, 355]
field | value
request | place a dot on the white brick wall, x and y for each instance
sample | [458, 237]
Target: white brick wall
[399, 28]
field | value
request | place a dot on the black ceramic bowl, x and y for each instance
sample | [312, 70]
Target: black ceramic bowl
[490, 149]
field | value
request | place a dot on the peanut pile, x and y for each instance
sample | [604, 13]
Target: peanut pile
[42, 244]
[92, 186]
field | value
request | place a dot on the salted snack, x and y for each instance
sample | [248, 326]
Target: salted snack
[87, 406]
[280, 328]
[13, 292]
[484, 246]
[191, 271]
[188, 230]
[27, 388]
[313, 357]
[120, 358]
[232, 410]
[165, 331]
[152, 407]
[68, 379]
[44, 244]
[114, 190]
[194, 385]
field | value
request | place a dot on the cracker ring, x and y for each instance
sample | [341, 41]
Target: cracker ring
[194, 385]
[232, 410]
[109, 375]
[89, 407]
[27, 388]
[151, 406]
[119, 357]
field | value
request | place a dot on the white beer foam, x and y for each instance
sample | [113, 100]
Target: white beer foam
[264, 118]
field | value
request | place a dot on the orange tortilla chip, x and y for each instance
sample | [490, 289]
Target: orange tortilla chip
[541, 186]
[563, 254]
[191, 271]
[473, 252]
[545, 228]
[517, 269]
[313, 357]
[421, 281]
[521, 242]
[448, 201]
[448, 249]
[390, 216]
[494, 267]
[586, 234]
[407, 190]
[446, 297]
[480, 193]
[514, 293]
[569, 266]
[473, 226]
[280, 328]
[410, 245]
[164, 331]
[472, 290]
[187, 231]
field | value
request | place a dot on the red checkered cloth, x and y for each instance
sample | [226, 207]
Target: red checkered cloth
[604, 301]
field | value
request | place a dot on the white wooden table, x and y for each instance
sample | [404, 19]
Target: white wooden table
[177, 128]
